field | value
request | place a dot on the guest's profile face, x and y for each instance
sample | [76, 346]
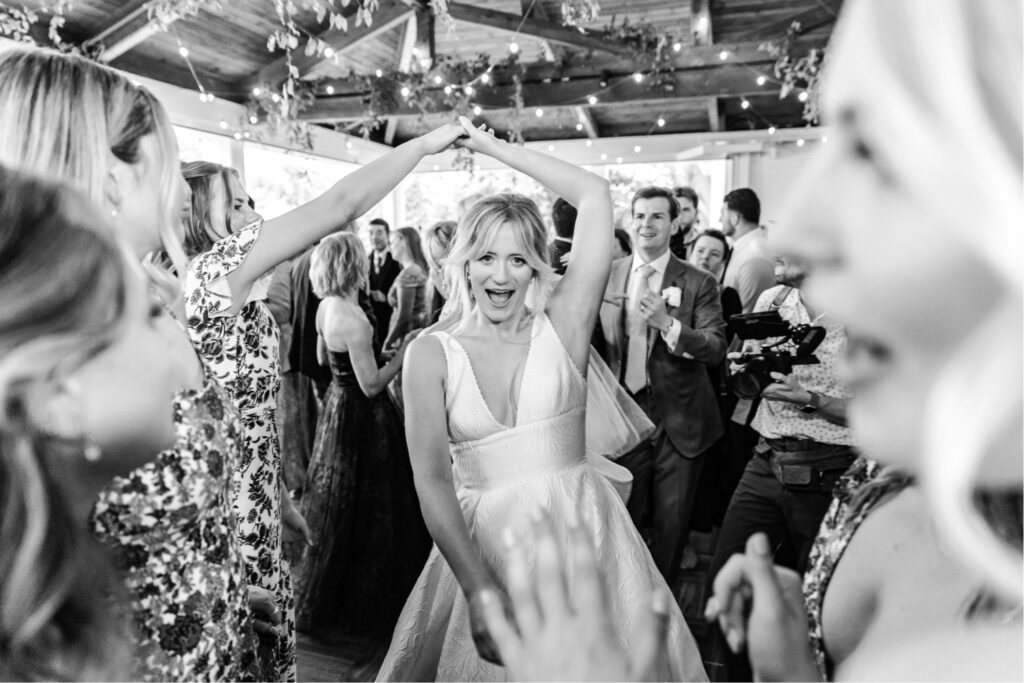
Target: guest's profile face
[499, 275]
[908, 293]
[241, 212]
[652, 224]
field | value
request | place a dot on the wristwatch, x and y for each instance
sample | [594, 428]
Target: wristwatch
[813, 405]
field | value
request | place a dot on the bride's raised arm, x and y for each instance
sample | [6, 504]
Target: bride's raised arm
[573, 305]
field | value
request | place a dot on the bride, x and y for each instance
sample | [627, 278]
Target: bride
[495, 414]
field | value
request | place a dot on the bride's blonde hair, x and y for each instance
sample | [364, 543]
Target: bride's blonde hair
[475, 233]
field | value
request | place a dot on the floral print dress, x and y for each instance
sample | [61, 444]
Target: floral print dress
[242, 352]
[847, 512]
[171, 529]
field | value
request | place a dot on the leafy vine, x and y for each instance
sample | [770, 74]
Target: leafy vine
[798, 72]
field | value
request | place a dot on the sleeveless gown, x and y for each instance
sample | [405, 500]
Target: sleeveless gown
[361, 507]
[501, 473]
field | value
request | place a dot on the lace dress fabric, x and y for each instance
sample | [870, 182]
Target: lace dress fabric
[361, 507]
[502, 473]
[242, 352]
[170, 527]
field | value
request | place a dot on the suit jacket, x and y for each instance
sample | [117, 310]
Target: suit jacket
[381, 281]
[684, 401]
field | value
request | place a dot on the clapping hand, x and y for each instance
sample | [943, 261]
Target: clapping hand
[760, 607]
[552, 638]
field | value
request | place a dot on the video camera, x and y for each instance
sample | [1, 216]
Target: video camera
[796, 347]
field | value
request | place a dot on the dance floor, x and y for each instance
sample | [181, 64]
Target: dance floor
[359, 660]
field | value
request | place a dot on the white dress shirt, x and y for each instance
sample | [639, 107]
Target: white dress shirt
[654, 284]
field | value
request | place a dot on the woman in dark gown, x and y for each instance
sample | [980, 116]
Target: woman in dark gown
[360, 502]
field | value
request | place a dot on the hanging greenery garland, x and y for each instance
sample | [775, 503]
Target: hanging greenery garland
[803, 72]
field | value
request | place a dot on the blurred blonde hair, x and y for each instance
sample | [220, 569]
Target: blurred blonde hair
[64, 301]
[950, 74]
[63, 116]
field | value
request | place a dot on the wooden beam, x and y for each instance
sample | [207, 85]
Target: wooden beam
[586, 120]
[176, 73]
[128, 30]
[424, 48]
[714, 115]
[537, 9]
[406, 44]
[692, 86]
[511, 23]
[389, 14]
[700, 22]
[823, 13]
[581, 66]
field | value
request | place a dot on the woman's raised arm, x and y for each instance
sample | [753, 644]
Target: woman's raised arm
[352, 196]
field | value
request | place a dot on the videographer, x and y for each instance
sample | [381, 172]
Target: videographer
[804, 445]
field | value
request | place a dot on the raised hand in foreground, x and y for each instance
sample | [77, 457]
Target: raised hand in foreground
[552, 637]
[760, 607]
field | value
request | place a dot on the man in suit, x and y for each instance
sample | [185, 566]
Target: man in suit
[383, 271]
[660, 350]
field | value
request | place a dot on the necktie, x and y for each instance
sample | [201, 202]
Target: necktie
[636, 349]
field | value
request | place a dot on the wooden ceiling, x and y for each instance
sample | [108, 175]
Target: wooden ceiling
[563, 67]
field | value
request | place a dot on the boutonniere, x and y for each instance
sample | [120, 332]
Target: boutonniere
[672, 296]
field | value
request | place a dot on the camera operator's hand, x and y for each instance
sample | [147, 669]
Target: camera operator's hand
[652, 311]
[734, 357]
[786, 388]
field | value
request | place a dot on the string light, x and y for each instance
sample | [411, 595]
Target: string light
[330, 90]
[592, 100]
[638, 77]
[551, 148]
[275, 97]
[256, 92]
[661, 122]
[802, 96]
[223, 125]
[603, 156]
[618, 160]
[425, 62]
[539, 112]
[183, 51]
[800, 142]
[438, 80]
[485, 78]
[329, 52]
[447, 90]
[590, 142]
[348, 144]
[379, 73]
[470, 90]
[253, 119]
[677, 47]
[477, 110]
[744, 104]
[579, 127]
[637, 149]
[723, 55]
[405, 91]
[771, 130]
[761, 80]
[237, 135]
[513, 47]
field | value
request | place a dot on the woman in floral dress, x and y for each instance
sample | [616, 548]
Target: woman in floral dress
[233, 331]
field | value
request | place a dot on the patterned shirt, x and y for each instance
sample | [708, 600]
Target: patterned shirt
[777, 419]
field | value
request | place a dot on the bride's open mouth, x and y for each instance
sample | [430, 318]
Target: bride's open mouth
[500, 297]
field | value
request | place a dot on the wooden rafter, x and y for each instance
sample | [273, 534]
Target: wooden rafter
[714, 115]
[531, 7]
[405, 57]
[700, 22]
[389, 14]
[127, 31]
[585, 119]
[824, 13]
[529, 26]
[691, 85]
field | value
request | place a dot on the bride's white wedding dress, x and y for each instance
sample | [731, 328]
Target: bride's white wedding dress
[501, 474]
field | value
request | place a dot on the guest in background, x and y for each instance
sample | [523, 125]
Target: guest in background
[370, 540]
[85, 396]
[749, 270]
[623, 245]
[686, 231]
[408, 294]
[661, 351]
[563, 217]
[438, 239]
[383, 271]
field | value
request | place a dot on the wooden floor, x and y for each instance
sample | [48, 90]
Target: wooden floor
[359, 660]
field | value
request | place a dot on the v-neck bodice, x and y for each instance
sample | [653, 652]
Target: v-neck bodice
[552, 393]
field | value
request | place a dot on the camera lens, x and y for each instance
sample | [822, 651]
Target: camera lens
[746, 385]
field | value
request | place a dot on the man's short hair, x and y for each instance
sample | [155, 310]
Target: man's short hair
[652, 191]
[687, 192]
[381, 222]
[718, 235]
[563, 215]
[744, 202]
